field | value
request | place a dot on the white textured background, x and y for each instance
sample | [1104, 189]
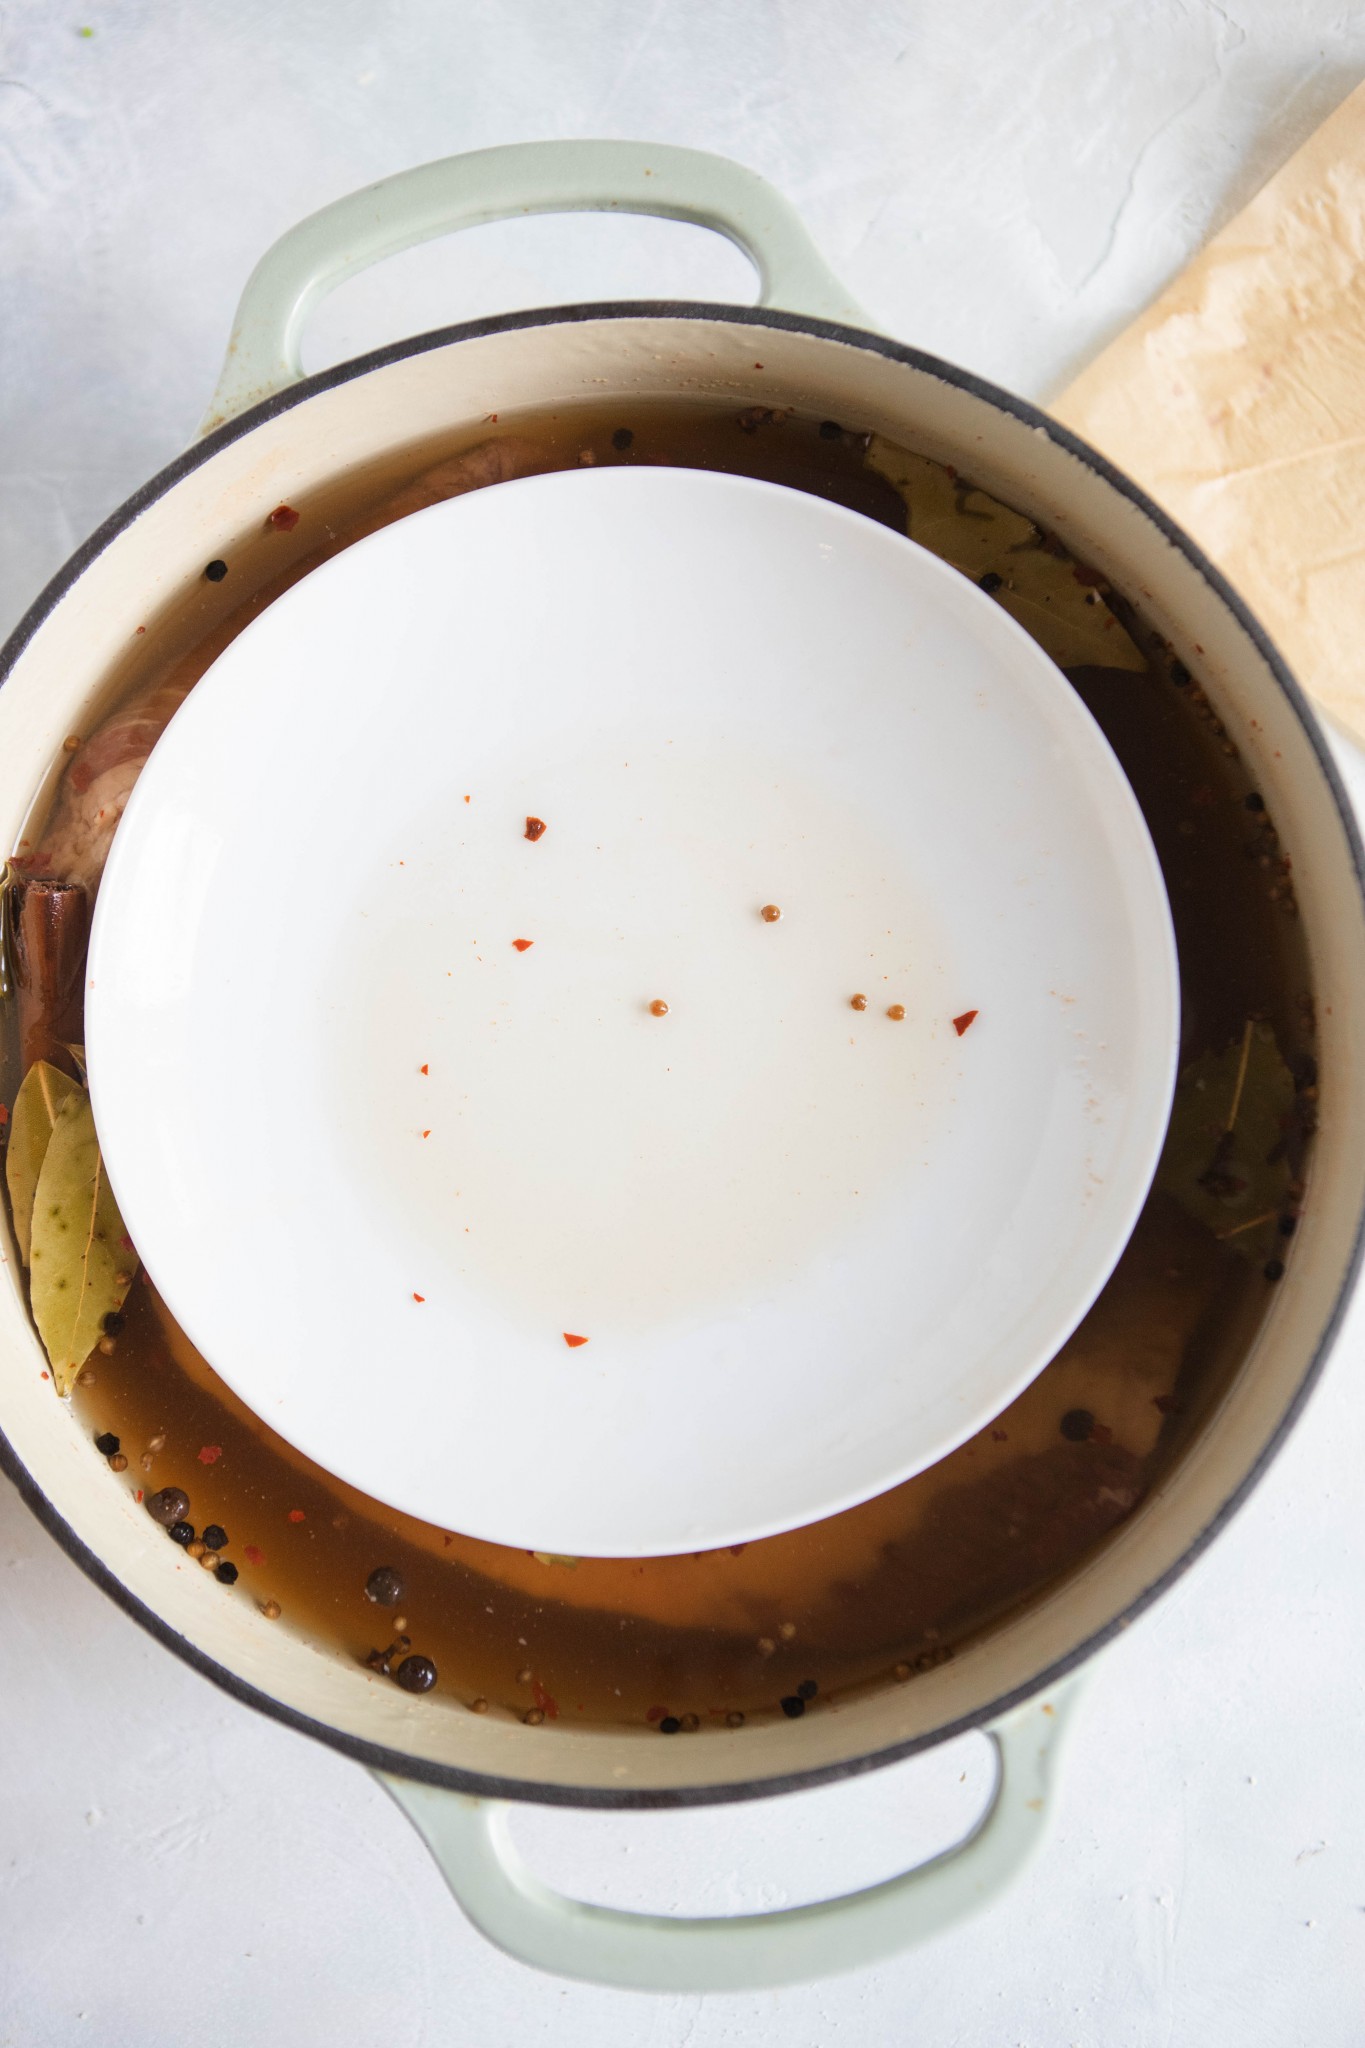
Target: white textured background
[1004, 181]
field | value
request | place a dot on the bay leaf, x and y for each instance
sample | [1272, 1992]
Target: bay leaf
[43, 1091]
[978, 535]
[80, 1261]
[1229, 1177]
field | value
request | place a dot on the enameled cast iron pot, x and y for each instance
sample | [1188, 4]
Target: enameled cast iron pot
[273, 435]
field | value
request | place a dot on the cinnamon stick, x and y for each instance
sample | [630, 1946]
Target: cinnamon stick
[48, 928]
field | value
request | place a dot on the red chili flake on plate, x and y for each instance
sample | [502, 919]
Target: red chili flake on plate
[419, 1297]
[297, 1515]
[426, 1134]
[284, 519]
[965, 1021]
[425, 1068]
[573, 1342]
[523, 945]
[138, 1495]
[209, 1454]
[534, 827]
[253, 1555]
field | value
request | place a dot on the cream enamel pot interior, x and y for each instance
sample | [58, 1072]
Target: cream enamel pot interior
[276, 436]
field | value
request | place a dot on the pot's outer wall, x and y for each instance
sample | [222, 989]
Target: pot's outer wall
[58, 670]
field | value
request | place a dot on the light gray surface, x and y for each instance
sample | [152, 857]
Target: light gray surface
[1005, 184]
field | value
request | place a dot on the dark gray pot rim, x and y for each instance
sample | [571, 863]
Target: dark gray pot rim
[375, 1755]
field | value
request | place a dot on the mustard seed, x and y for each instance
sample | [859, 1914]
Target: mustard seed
[857, 1002]
[208, 1559]
[271, 1609]
[896, 1012]
[658, 1008]
[478, 1706]
[195, 1549]
[770, 913]
[533, 1716]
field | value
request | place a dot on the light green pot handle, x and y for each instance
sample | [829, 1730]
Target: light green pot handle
[471, 1842]
[493, 184]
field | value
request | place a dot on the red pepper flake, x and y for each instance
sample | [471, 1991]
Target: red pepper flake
[253, 1555]
[965, 1021]
[426, 1134]
[138, 1495]
[209, 1454]
[425, 1068]
[573, 1342]
[297, 1515]
[4, 1116]
[548, 1704]
[284, 519]
[466, 799]
[656, 1713]
[46, 1374]
[523, 945]
[419, 1297]
[534, 827]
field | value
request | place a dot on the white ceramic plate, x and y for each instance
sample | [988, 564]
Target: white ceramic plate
[381, 1161]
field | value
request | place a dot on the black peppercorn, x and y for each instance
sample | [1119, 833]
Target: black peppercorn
[214, 1537]
[114, 1322]
[1077, 1425]
[215, 571]
[106, 1443]
[830, 430]
[1288, 1225]
[1180, 675]
[416, 1674]
[1273, 1269]
[384, 1586]
[1255, 802]
[181, 1532]
[807, 1689]
[622, 438]
[172, 1504]
[793, 1706]
[990, 581]
[669, 1725]
[227, 1573]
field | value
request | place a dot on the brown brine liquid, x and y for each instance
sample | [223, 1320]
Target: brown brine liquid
[881, 1591]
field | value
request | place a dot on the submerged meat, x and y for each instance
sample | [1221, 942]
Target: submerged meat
[98, 783]
[488, 462]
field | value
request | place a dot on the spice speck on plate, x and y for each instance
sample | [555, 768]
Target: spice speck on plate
[572, 1341]
[858, 1002]
[533, 1716]
[770, 913]
[523, 945]
[215, 571]
[658, 1008]
[284, 519]
[271, 1609]
[896, 1012]
[965, 1021]
[1077, 1425]
[534, 827]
